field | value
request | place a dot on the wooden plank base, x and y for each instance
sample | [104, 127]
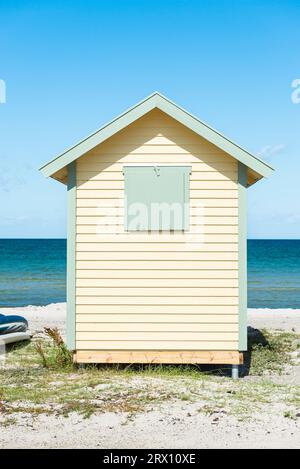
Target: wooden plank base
[220, 357]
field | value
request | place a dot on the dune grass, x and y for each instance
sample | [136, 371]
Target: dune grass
[39, 377]
[270, 352]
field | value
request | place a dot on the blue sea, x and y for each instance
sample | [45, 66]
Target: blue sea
[33, 271]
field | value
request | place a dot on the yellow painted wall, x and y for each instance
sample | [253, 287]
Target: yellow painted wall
[158, 290]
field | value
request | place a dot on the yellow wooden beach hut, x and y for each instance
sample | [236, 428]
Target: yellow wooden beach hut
[156, 256]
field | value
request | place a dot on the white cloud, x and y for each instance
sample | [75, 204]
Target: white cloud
[14, 220]
[293, 218]
[268, 151]
[8, 180]
[13, 175]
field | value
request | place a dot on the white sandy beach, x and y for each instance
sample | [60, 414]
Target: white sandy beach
[171, 425]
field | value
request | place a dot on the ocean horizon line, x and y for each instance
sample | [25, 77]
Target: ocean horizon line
[64, 238]
[33, 271]
[60, 303]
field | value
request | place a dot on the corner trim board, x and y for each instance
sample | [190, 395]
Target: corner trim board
[242, 241]
[71, 246]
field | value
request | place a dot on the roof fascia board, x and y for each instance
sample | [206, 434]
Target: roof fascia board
[213, 136]
[99, 136]
[173, 110]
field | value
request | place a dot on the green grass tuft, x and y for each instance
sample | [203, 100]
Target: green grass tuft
[57, 355]
[41, 379]
[270, 352]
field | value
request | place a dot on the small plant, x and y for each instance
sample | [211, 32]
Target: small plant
[57, 355]
[2, 408]
[86, 409]
[62, 355]
[289, 415]
[39, 349]
[54, 334]
[8, 421]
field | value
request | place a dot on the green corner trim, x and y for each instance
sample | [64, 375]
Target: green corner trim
[242, 240]
[71, 246]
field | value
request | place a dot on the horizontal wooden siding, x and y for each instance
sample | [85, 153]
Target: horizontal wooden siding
[157, 291]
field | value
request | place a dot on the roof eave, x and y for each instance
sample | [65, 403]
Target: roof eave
[156, 100]
[214, 137]
[94, 139]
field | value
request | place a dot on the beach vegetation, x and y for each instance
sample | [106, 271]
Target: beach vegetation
[270, 352]
[39, 377]
[55, 355]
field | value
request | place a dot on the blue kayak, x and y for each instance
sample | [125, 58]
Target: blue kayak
[12, 324]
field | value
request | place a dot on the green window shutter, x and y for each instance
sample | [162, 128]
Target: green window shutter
[156, 197]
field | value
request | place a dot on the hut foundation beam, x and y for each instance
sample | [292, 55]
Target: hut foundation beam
[218, 357]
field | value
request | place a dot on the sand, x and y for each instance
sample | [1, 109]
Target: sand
[176, 425]
[52, 315]
[171, 425]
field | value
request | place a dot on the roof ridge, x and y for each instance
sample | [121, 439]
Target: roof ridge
[156, 100]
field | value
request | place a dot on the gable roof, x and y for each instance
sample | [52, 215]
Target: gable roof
[156, 100]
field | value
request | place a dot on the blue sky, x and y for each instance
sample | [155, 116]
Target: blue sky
[71, 66]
